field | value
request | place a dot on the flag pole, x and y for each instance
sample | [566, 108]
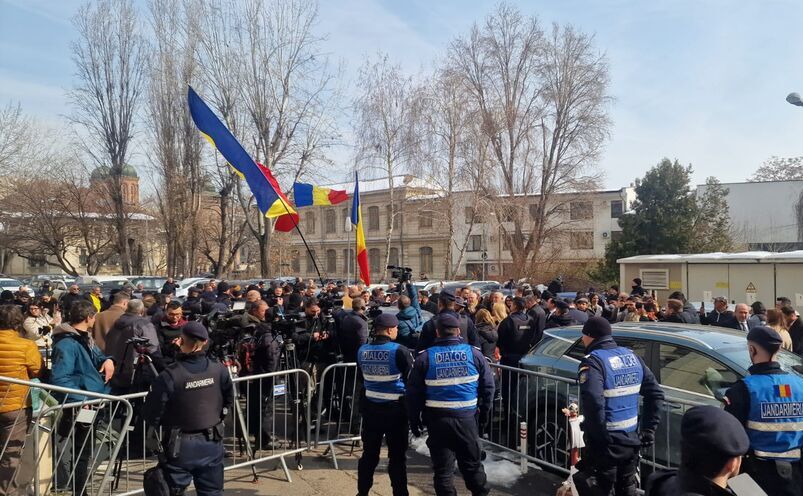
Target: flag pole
[306, 246]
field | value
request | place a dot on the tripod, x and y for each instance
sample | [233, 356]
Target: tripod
[298, 401]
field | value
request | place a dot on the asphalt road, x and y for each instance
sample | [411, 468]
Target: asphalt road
[318, 477]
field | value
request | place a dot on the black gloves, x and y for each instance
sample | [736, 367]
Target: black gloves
[647, 438]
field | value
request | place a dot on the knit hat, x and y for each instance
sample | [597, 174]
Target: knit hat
[597, 327]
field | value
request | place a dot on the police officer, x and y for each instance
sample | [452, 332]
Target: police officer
[712, 445]
[769, 403]
[447, 305]
[611, 379]
[383, 369]
[190, 399]
[450, 390]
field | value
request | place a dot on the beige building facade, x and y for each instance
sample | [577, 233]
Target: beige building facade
[420, 234]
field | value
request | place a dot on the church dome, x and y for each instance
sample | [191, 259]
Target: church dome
[103, 172]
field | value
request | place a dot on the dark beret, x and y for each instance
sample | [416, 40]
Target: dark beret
[597, 327]
[223, 287]
[561, 305]
[448, 321]
[546, 294]
[386, 321]
[766, 337]
[196, 330]
[713, 429]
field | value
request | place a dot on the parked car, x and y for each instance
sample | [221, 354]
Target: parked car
[185, 284]
[694, 364]
[9, 284]
[150, 283]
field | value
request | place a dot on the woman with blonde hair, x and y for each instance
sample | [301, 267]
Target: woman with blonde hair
[499, 312]
[777, 321]
[486, 329]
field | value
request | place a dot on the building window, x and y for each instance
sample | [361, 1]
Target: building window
[311, 262]
[425, 219]
[36, 262]
[581, 210]
[330, 220]
[425, 259]
[373, 218]
[295, 262]
[331, 261]
[394, 257]
[83, 258]
[581, 240]
[475, 242]
[616, 235]
[309, 223]
[393, 218]
[348, 261]
[617, 208]
[373, 260]
[469, 213]
[533, 208]
[346, 220]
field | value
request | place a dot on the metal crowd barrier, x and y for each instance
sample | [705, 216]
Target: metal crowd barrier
[528, 424]
[60, 445]
[338, 419]
[270, 420]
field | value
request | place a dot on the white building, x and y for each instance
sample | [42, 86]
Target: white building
[766, 216]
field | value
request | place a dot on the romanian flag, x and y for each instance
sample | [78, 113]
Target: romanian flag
[783, 390]
[356, 219]
[306, 195]
[269, 197]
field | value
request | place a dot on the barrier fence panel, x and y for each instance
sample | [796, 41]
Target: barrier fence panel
[338, 418]
[528, 413]
[268, 421]
[58, 439]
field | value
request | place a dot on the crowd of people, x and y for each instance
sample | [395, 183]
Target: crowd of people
[419, 371]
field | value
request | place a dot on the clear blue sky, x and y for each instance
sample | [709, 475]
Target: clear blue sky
[703, 81]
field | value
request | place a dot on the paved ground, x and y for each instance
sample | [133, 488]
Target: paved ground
[319, 477]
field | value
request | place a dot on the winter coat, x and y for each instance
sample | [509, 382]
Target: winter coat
[410, 322]
[488, 338]
[127, 326]
[103, 324]
[76, 362]
[19, 359]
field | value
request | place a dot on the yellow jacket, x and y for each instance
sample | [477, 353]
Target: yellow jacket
[19, 359]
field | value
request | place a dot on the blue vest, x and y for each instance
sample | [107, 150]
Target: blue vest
[623, 375]
[775, 422]
[382, 377]
[452, 378]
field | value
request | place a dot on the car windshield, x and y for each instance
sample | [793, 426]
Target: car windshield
[10, 282]
[738, 354]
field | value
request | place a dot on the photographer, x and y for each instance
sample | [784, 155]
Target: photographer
[353, 331]
[409, 316]
[38, 324]
[312, 336]
[132, 324]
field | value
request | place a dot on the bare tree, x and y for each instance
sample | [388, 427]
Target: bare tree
[176, 143]
[779, 169]
[386, 129]
[18, 140]
[541, 101]
[288, 90]
[110, 59]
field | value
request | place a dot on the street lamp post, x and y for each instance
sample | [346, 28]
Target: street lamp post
[794, 99]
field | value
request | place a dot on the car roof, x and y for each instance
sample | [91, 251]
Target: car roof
[689, 334]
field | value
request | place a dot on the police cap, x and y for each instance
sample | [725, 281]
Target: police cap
[597, 327]
[195, 330]
[447, 295]
[766, 337]
[448, 321]
[712, 428]
[386, 321]
[459, 302]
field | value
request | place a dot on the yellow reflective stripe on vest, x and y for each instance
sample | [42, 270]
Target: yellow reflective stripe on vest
[452, 381]
[775, 426]
[621, 391]
[382, 378]
[624, 424]
[451, 404]
[795, 453]
[382, 396]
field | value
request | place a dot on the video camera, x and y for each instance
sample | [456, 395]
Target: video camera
[402, 274]
[44, 330]
[141, 344]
